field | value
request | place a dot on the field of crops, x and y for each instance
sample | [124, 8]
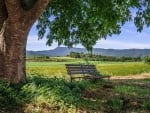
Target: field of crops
[57, 69]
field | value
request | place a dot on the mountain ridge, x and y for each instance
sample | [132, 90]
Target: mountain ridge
[63, 51]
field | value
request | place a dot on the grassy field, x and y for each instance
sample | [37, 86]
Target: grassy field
[47, 90]
[105, 68]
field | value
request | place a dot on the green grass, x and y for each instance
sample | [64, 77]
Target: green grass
[105, 68]
[124, 68]
[44, 95]
[48, 89]
[114, 104]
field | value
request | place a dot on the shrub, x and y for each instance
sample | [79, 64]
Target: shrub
[146, 59]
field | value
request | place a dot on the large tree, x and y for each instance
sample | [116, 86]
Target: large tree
[16, 19]
[66, 21]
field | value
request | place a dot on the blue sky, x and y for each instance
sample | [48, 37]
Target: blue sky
[128, 39]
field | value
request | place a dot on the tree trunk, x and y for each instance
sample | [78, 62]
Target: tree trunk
[15, 23]
[1, 53]
[12, 52]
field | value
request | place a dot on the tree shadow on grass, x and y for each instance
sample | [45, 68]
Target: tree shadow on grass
[42, 94]
[50, 95]
[134, 94]
[10, 99]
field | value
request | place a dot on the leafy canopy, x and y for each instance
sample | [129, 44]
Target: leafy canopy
[71, 22]
[142, 15]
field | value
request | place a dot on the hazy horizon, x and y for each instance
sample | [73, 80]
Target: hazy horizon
[93, 48]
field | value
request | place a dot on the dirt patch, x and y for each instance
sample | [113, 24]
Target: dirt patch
[138, 76]
[98, 93]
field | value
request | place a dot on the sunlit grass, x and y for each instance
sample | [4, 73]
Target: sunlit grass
[124, 68]
[105, 68]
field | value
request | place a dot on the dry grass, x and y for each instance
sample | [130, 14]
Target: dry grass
[137, 76]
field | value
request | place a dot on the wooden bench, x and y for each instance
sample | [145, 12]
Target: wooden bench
[85, 72]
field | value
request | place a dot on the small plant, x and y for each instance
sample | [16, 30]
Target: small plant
[114, 104]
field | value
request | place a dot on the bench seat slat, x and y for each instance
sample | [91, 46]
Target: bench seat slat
[87, 71]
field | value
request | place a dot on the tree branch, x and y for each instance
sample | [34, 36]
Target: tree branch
[3, 13]
[14, 10]
[36, 11]
[25, 17]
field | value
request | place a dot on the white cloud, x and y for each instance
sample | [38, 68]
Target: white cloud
[34, 40]
[34, 44]
[120, 44]
[129, 31]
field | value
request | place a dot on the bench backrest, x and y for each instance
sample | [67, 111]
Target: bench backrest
[73, 69]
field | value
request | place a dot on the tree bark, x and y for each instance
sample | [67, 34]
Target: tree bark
[1, 51]
[15, 25]
[3, 16]
[13, 50]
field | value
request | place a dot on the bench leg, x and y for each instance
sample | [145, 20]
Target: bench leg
[71, 79]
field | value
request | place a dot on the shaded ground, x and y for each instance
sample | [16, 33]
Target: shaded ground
[115, 101]
[52, 95]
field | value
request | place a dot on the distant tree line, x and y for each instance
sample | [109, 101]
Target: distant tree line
[45, 59]
[94, 57]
